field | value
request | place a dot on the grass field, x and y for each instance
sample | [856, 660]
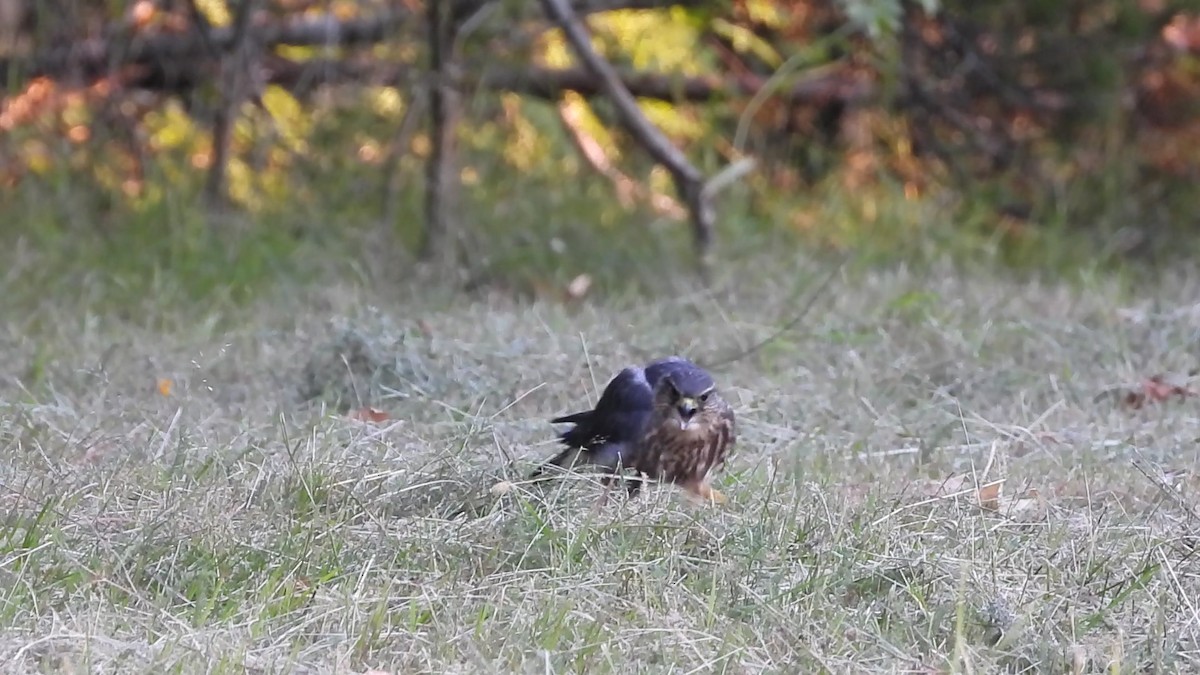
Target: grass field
[172, 505]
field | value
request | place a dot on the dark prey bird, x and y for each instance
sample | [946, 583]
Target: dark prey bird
[665, 420]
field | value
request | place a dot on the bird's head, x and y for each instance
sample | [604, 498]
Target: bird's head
[684, 399]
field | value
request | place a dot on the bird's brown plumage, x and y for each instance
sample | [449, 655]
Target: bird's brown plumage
[687, 457]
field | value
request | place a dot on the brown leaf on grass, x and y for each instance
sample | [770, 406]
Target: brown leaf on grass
[990, 496]
[369, 414]
[1029, 505]
[1024, 506]
[164, 386]
[1154, 390]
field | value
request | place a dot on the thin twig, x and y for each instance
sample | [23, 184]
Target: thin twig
[792, 323]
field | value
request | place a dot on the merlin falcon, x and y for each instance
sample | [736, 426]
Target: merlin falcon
[665, 420]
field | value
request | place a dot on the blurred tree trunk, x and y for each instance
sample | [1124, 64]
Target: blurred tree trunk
[12, 16]
[441, 180]
[238, 69]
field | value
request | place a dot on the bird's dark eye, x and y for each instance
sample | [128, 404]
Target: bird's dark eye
[704, 397]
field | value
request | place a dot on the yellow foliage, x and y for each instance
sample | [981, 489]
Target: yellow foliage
[524, 146]
[296, 52]
[241, 184]
[76, 112]
[653, 39]
[254, 188]
[36, 155]
[170, 127]
[244, 131]
[744, 40]
[555, 52]
[292, 120]
[386, 102]
[592, 124]
[216, 11]
[766, 12]
[671, 120]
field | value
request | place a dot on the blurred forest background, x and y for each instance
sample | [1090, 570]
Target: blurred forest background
[197, 145]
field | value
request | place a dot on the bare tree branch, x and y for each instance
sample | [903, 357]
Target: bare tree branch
[465, 8]
[90, 58]
[689, 181]
[301, 77]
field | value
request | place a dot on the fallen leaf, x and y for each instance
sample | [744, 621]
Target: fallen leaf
[501, 488]
[579, 287]
[164, 386]
[369, 414]
[1028, 506]
[1154, 390]
[989, 495]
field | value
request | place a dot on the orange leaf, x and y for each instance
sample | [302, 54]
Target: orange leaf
[369, 414]
[164, 386]
[989, 495]
[1154, 390]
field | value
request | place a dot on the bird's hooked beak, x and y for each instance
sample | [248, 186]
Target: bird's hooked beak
[687, 409]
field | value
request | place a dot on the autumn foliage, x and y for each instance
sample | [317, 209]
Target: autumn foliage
[1031, 98]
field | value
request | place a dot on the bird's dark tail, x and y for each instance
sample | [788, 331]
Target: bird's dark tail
[573, 418]
[567, 459]
[577, 440]
[579, 435]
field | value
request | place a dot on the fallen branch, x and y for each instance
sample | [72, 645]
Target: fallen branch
[92, 58]
[551, 83]
[464, 8]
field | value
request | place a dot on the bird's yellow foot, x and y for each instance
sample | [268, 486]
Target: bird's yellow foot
[706, 493]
